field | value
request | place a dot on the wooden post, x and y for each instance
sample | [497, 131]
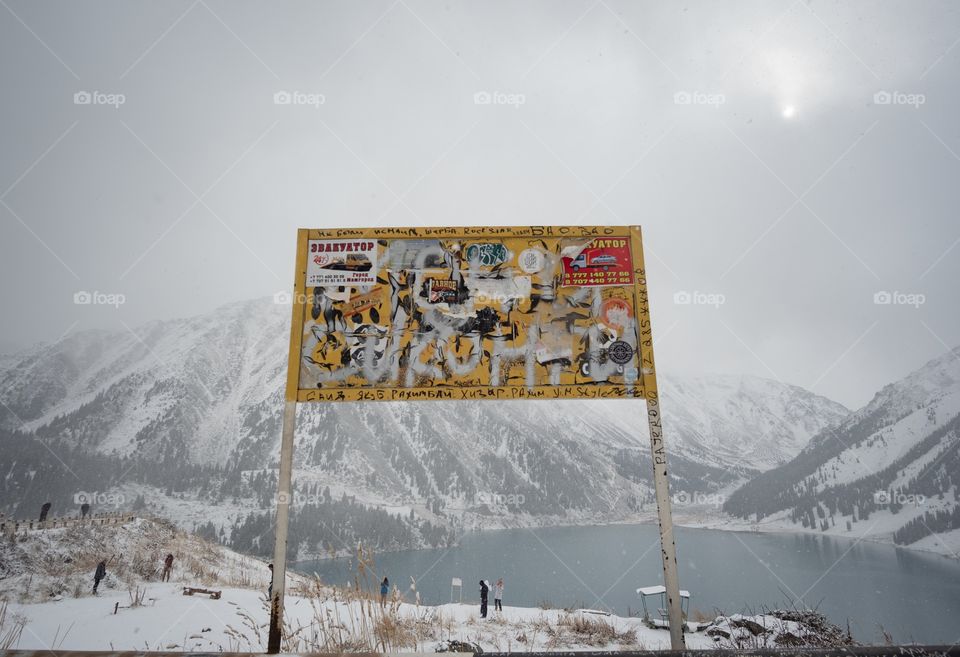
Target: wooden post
[658, 453]
[283, 517]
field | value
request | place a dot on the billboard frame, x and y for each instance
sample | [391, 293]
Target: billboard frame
[647, 380]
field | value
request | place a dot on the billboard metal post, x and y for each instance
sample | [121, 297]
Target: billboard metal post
[283, 517]
[658, 452]
[286, 450]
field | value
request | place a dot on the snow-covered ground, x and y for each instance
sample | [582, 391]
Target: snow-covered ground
[46, 603]
[169, 620]
[237, 622]
[946, 543]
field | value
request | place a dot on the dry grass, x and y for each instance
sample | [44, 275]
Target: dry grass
[350, 619]
[699, 616]
[581, 630]
[11, 627]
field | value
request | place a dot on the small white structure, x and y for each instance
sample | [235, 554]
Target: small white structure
[649, 591]
[457, 583]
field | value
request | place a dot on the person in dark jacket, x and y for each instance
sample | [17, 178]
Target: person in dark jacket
[484, 590]
[167, 567]
[99, 575]
[384, 590]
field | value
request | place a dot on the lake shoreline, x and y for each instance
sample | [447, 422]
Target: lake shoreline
[687, 520]
[600, 566]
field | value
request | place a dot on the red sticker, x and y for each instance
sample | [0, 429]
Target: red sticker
[604, 261]
[616, 312]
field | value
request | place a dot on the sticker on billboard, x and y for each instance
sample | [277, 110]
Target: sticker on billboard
[599, 262]
[531, 261]
[363, 302]
[444, 290]
[415, 254]
[616, 312]
[499, 290]
[620, 352]
[341, 262]
[487, 255]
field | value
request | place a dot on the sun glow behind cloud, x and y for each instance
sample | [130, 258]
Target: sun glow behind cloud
[786, 77]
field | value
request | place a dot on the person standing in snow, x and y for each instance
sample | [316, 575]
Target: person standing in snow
[484, 590]
[99, 575]
[384, 590]
[498, 595]
[167, 567]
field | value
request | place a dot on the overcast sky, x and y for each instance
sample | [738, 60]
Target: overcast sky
[775, 186]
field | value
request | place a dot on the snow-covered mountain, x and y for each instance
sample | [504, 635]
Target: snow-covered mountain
[888, 471]
[207, 392]
[748, 421]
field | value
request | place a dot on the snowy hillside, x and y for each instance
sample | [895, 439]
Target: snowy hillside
[41, 565]
[179, 405]
[889, 471]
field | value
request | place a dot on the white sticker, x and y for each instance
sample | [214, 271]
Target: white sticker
[531, 260]
[499, 290]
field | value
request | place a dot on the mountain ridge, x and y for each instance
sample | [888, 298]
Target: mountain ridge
[894, 464]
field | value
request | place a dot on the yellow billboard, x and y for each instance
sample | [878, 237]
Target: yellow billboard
[536, 312]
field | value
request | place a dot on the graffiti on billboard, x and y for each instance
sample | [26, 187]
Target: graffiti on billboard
[461, 313]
